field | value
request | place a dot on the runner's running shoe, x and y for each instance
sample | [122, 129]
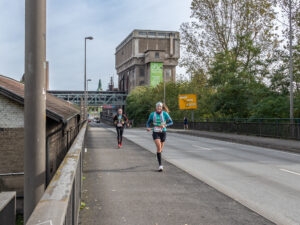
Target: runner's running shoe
[160, 168]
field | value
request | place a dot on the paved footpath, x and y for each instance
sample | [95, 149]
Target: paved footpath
[123, 187]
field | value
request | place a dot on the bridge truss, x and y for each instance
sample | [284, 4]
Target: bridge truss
[95, 98]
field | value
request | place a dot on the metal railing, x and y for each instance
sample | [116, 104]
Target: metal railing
[7, 208]
[60, 203]
[277, 129]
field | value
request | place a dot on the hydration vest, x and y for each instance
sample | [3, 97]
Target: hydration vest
[157, 121]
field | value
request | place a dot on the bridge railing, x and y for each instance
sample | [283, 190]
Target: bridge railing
[60, 203]
[263, 129]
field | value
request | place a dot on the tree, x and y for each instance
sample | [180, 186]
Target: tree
[223, 26]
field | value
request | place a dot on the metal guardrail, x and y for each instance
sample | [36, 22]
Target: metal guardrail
[60, 203]
[8, 208]
[262, 129]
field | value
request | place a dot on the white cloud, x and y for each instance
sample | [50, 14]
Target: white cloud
[69, 21]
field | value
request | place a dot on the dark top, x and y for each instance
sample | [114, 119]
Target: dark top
[185, 120]
[120, 120]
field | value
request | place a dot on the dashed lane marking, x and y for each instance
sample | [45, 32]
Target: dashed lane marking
[292, 172]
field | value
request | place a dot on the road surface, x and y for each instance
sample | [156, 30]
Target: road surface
[122, 186]
[265, 180]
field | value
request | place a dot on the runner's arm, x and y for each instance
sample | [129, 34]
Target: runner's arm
[169, 120]
[126, 120]
[115, 120]
[150, 119]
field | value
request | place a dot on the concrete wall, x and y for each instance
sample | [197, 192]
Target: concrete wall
[141, 48]
[124, 54]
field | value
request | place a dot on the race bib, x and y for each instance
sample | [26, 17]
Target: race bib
[119, 125]
[157, 129]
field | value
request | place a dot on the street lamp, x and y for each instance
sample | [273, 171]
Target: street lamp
[87, 85]
[87, 90]
[85, 82]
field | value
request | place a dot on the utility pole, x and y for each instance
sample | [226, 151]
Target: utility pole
[35, 104]
[85, 93]
[291, 64]
[164, 77]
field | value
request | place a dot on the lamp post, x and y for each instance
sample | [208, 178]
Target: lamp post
[87, 90]
[85, 82]
[291, 63]
[164, 77]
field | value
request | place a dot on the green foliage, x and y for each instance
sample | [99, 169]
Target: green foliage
[238, 64]
[273, 106]
[19, 219]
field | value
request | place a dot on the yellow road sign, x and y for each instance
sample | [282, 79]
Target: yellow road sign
[188, 101]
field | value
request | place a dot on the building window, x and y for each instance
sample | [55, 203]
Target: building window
[143, 33]
[157, 55]
[142, 72]
[168, 74]
[162, 34]
[151, 33]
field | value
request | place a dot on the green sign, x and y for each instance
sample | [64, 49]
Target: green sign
[156, 73]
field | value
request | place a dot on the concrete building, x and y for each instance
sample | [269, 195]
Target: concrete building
[62, 119]
[146, 57]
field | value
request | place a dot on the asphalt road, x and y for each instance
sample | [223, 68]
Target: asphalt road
[264, 180]
[122, 186]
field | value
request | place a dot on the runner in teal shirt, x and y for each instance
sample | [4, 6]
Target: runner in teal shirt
[160, 120]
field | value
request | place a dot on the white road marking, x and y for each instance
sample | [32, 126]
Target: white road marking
[292, 172]
[203, 148]
[85, 150]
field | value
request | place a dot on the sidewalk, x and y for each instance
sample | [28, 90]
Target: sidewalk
[123, 187]
[274, 143]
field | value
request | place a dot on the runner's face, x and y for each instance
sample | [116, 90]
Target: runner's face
[159, 108]
[120, 111]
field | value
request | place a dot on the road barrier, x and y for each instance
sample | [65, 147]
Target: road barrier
[60, 203]
[8, 208]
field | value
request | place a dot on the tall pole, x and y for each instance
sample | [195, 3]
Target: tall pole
[164, 88]
[85, 94]
[291, 63]
[87, 90]
[85, 110]
[35, 104]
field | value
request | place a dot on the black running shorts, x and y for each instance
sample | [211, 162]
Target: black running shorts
[160, 135]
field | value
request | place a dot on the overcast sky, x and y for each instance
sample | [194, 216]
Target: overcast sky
[69, 21]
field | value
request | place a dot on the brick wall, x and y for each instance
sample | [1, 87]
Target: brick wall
[11, 161]
[11, 150]
[11, 113]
